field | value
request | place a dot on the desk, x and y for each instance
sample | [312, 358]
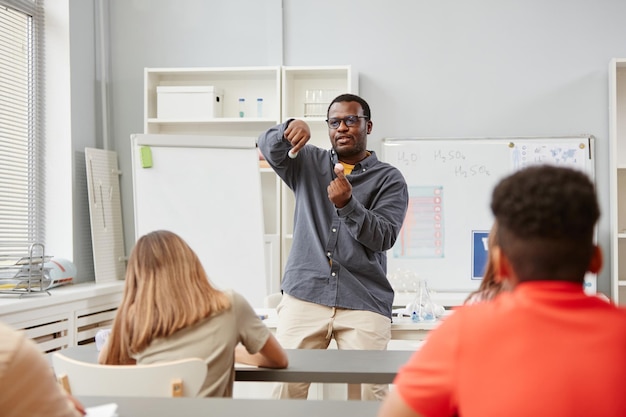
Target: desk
[308, 365]
[332, 366]
[229, 407]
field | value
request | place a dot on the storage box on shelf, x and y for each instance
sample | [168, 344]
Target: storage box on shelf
[617, 195]
[189, 102]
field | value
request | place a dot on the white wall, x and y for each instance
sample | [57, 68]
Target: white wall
[482, 68]
[59, 210]
[84, 124]
[70, 127]
[179, 33]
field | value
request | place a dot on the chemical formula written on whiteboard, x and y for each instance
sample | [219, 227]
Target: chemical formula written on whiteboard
[410, 158]
[464, 170]
[451, 155]
[407, 158]
[471, 171]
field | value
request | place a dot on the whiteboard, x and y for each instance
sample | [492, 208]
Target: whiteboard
[208, 191]
[450, 181]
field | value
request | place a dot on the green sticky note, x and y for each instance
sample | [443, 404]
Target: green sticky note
[146, 157]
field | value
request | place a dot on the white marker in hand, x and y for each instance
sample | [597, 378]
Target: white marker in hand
[292, 154]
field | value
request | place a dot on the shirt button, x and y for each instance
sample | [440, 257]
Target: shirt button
[334, 230]
[333, 274]
[328, 254]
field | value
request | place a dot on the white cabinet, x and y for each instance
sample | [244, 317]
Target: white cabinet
[286, 92]
[70, 316]
[617, 134]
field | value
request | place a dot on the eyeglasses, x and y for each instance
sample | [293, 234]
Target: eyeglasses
[335, 122]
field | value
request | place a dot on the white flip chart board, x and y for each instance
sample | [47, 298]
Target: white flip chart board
[207, 190]
[450, 183]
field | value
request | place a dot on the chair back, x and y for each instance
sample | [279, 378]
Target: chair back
[181, 378]
[272, 300]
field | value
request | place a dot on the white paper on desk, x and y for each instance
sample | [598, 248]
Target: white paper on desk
[105, 410]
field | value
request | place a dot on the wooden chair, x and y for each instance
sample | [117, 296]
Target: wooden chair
[181, 378]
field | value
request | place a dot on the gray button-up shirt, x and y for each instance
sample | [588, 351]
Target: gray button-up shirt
[338, 256]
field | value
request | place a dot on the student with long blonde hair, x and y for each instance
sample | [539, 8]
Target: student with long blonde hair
[170, 311]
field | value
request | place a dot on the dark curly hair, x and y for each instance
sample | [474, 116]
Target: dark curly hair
[546, 217]
[351, 97]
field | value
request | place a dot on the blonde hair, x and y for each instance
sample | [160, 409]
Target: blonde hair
[166, 290]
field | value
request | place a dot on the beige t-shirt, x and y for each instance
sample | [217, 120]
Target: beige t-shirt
[27, 380]
[213, 340]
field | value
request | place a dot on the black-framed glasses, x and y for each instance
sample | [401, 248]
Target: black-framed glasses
[335, 122]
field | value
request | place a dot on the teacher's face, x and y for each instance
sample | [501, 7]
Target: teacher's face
[350, 142]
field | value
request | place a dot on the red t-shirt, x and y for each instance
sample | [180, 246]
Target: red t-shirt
[545, 349]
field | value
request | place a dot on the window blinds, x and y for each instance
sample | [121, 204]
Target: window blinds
[22, 186]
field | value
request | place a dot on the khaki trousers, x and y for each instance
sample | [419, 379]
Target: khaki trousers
[305, 325]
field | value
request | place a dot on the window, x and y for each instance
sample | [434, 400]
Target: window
[22, 186]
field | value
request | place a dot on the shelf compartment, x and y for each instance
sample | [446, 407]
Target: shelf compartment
[249, 83]
[297, 81]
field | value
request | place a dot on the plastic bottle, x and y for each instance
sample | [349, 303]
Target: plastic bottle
[242, 107]
[259, 107]
[422, 308]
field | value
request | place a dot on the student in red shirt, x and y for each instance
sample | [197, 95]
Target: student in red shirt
[543, 349]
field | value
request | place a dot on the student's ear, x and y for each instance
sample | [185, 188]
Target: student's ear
[595, 264]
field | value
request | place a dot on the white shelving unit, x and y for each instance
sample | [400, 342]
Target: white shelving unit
[617, 134]
[298, 92]
[249, 83]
